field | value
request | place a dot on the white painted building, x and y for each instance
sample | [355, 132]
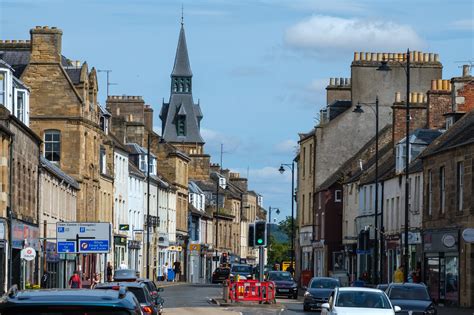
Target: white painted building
[136, 206]
[121, 209]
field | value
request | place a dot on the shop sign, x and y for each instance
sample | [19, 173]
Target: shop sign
[468, 235]
[318, 244]
[413, 238]
[28, 253]
[51, 253]
[120, 241]
[195, 247]
[440, 241]
[25, 234]
[134, 244]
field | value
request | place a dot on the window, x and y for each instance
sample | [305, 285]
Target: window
[3, 87]
[430, 192]
[52, 145]
[20, 106]
[103, 161]
[322, 226]
[304, 161]
[460, 185]
[338, 196]
[143, 162]
[303, 208]
[181, 125]
[442, 190]
[319, 200]
[310, 159]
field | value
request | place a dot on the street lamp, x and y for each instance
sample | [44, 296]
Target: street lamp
[277, 211]
[282, 170]
[385, 67]
[223, 186]
[359, 110]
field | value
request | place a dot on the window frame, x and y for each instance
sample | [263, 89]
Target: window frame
[460, 185]
[442, 189]
[52, 142]
[430, 192]
[336, 192]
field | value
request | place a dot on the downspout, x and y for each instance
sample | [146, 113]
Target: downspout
[10, 215]
[37, 269]
[314, 198]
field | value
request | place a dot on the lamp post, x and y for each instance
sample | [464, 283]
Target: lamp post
[359, 109]
[277, 210]
[148, 209]
[385, 67]
[223, 186]
[282, 170]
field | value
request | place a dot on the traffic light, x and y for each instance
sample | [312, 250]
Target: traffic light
[251, 235]
[260, 233]
[363, 240]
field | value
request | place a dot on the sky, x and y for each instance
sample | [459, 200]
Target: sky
[260, 66]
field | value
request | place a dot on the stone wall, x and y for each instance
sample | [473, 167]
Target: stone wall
[439, 103]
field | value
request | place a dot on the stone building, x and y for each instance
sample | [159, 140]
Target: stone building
[57, 203]
[19, 180]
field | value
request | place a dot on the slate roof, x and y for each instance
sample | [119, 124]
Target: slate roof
[134, 148]
[423, 136]
[56, 171]
[338, 107]
[182, 68]
[194, 188]
[74, 74]
[461, 133]
[132, 169]
[19, 59]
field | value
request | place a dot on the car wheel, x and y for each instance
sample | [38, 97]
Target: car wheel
[295, 296]
[306, 308]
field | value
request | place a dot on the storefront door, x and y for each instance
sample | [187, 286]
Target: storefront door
[442, 278]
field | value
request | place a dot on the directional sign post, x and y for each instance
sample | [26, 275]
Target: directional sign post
[83, 237]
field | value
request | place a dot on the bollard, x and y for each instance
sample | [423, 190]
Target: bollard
[226, 292]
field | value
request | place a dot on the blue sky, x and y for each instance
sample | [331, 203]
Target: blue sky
[260, 66]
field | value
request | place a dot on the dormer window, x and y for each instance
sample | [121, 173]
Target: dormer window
[181, 125]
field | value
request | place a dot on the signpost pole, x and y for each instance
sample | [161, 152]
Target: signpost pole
[260, 263]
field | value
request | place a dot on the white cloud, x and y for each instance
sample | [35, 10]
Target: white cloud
[322, 33]
[214, 139]
[287, 146]
[463, 25]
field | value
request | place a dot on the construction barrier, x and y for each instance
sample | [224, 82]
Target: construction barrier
[252, 291]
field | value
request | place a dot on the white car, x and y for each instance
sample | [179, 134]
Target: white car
[354, 301]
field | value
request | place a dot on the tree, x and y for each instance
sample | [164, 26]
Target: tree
[285, 226]
[277, 252]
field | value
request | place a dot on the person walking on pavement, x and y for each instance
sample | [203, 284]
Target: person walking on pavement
[109, 272]
[398, 276]
[75, 281]
[177, 270]
[44, 279]
[164, 269]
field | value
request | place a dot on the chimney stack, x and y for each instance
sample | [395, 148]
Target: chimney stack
[148, 113]
[466, 70]
[46, 44]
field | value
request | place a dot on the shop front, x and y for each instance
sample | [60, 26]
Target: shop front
[441, 265]
[120, 251]
[24, 235]
[393, 256]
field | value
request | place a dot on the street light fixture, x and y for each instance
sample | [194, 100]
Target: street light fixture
[282, 170]
[385, 67]
[359, 110]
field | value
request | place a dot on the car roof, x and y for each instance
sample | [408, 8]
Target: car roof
[79, 297]
[344, 289]
[121, 283]
[407, 284]
[323, 278]
[278, 271]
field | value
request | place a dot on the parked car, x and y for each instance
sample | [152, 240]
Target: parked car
[318, 292]
[125, 275]
[66, 301]
[155, 293]
[382, 286]
[242, 270]
[140, 290]
[355, 301]
[220, 274]
[412, 297]
[284, 282]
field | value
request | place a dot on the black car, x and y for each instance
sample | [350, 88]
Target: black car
[411, 297]
[140, 290]
[284, 282]
[69, 301]
[382, 286]
[242, 270]
[318, 292]
[125, 275]
[154, 292]
[220, 275]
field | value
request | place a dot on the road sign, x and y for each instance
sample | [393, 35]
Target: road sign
[468, 235]
[28, 253]
[83, 237]
[66, 247]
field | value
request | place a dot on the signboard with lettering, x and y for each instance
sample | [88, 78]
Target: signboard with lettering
[83, 237]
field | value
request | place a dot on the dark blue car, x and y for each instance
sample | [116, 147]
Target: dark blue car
[318, 292]
[411, 297]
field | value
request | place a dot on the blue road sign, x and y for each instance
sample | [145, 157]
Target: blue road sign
[93, 246]
[66, 247]
[60, 229]
[82, 229]
[362, 252]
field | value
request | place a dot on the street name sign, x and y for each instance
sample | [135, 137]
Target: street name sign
[83, 237]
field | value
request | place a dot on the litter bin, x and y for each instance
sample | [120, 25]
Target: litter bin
[170, 274]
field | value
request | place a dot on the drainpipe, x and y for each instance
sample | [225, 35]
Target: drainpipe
[37, 269]
[10, 214]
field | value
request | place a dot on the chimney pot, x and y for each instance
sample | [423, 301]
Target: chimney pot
[331, 81]
[337, 81]
[436, 57]
[368, 56]
[341, 81]
[410, 97]
[420, 97]
[414, 98]
[433, 85]
[346, 81]
[466, 70]
[439, 84]
[362, 56]
[356, 56]
[445, 85]
[398, 97]
[426, 57]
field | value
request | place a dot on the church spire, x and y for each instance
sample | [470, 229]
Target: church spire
[181, 68]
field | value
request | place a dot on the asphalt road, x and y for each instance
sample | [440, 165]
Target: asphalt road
[195, 299]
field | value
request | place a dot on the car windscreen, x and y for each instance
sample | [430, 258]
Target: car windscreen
[65, 310]
[223, 270]
[280, 276]
[125, 274]
[139, 292]
[363, 299]
[242, 268]
[324, 284]
[409, 293]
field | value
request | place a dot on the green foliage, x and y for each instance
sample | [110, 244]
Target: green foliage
[285, 226]
[277, 252]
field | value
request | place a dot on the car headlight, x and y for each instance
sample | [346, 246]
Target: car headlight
[307, 294]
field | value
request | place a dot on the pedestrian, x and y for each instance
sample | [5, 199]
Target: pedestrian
[75, 281]
[95, 280]
[290, 269]
[44, 279]
[417, 273]
[177, 270]
[398, 276]
[123, 265]
[164, 269]
[109, 272]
